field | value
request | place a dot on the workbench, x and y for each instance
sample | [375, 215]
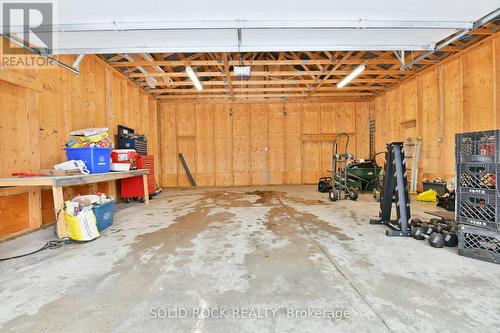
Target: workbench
[58, 182]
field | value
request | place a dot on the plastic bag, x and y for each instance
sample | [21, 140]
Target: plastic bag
[427, 196]
[82, 227]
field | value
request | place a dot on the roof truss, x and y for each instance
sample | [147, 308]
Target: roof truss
[280, 75]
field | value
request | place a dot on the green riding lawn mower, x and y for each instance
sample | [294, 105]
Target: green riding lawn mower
[349, 176]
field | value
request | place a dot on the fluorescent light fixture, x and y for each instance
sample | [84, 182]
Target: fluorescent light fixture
[351, 76]
[194, 78]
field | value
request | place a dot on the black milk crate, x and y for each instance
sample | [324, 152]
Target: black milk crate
[481, 147]
[480, 210]
[479, 243]
[477, 178]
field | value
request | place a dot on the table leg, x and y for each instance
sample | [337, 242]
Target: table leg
[57, 193]
[146, 191]
[35, 207]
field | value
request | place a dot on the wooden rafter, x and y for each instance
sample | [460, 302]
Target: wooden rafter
[330, 73]
[283, 74]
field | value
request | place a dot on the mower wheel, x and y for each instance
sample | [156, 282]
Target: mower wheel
[353, 194]
[333, 195]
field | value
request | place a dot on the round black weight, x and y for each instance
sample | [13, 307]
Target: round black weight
[436, 240]
[440, 228]
[434, 221]
[415, 222]
[353, 194]
[418, 233]
[450, 239]
[429, 229]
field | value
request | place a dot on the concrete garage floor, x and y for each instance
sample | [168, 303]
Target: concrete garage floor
[247, 252]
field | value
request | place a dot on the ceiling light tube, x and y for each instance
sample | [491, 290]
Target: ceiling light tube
[194, 78]
[351, 76]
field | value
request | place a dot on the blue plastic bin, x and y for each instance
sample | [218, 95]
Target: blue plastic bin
[104, 214]
[96, 159]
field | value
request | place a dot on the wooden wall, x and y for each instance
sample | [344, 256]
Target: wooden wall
[256, 144]
[40, 107]
[461, 94]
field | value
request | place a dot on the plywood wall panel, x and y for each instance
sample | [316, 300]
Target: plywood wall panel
[132, 106]
[124, 114]
[345, 122]
[48, 213]
[453, 116]
[205, 154]
[116, 103]
[311, 151]
[408, 100]
[458, 95]
[51, 124]
[13, 129]
[88, 93]
[241, 144]
[362, 132]
[276, 120]
[187, 146]
[14, 216]
[293, 143]
[430, 107]
[186, 120]
[100, 95]
[168, 144]
[223, 145]
[381, 129]
[327, 118]
[78, 117]
[393, 119]
[259, 144]
[478, 74]
[327, 126]
[33, 136]
[154, 143]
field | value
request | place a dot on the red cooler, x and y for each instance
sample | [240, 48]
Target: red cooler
[125, 156]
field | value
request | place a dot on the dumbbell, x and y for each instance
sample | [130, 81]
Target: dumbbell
[416, 222]
[450, 238]
[435, 220]
[435, 239]
[441, 227]
[421, 230]
[418, 228]
[418, 232]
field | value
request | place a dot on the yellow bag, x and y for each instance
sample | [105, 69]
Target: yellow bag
[427, 196]
[82, 227]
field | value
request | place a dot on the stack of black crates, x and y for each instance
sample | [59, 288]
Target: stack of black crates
[478, 195]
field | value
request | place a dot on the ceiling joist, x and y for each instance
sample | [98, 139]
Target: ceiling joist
[282, 75]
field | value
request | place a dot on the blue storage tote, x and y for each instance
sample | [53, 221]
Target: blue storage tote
[96, 159]
[104, 214]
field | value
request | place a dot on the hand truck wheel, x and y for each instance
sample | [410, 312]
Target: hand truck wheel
[334, 195]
